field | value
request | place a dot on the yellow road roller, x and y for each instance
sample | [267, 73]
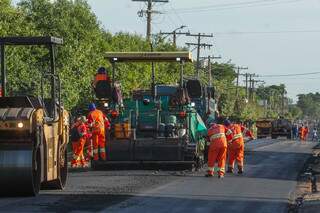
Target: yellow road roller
[34, 131]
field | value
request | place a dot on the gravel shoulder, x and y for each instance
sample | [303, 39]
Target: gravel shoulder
[306, 197]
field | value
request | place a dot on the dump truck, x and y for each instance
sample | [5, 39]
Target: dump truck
[281, 127]
[34, 131]
[155, 127]
[264, 127]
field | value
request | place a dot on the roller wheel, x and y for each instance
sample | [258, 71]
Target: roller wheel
[62, 170]
[59, 183]
[36, 172]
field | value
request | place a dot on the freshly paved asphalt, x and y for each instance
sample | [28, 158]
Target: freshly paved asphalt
[270, 177]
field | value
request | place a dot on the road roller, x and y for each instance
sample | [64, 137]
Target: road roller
[34, 131]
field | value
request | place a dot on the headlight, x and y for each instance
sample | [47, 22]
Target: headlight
[20, 125]
[106, 105]
[193, 104]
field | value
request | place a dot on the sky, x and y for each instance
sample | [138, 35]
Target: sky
[270, 37]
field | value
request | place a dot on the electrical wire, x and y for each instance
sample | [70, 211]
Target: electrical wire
[266, 32]
[233, 6]
[288, 75]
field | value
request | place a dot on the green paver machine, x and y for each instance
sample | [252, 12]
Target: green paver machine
[157, 126]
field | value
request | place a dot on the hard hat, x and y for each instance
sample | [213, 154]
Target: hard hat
[92, 107]
[102, 70]
[227, 122]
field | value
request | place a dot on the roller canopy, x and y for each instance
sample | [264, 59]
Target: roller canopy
[149, 56]
[47, 40]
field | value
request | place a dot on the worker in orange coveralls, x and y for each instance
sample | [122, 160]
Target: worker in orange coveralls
[101, 75]
[306, 133]
[79, 135]
[236, 145]
[98, 123]
[302, 132]
[217, 149]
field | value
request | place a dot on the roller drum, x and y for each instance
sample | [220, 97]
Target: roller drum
[20, 171]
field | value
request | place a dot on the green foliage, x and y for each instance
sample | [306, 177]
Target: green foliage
[85, 43]
[310, 105]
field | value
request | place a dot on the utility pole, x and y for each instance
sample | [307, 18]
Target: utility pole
[149, 13]
[252, 83]
[175, 33]
[209, 57]
[238, 75]
[199, 45]
[247, 76]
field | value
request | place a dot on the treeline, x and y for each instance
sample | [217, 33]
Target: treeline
[310, 106]
[85, 43]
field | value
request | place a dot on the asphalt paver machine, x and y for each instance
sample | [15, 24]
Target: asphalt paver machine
[34, 131]
[157, 127]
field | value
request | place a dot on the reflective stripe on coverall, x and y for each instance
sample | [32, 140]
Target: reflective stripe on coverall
[217, 149]
[98, 122]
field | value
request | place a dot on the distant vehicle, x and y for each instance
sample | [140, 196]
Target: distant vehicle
[281, 128]
[264, 127]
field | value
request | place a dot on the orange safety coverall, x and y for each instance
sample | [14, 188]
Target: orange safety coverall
[98, 122]
[78, 146]
[236, 145]
[301, 132]
[306, 132]
[217, 149]
[100, 77]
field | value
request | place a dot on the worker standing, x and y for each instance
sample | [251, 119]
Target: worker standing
[79, 135]
[217, 149]
[306, 133]
[236, 145]
[98, 123]
[302, 132]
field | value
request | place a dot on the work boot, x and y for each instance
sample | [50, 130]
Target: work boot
[240, 170]
[230, 170]
[209, 175]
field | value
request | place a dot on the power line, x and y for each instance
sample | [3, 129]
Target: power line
[233, 6]
[224, 5]
[288, 75]
[267, 32]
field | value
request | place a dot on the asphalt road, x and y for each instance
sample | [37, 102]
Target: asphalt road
[270, 176]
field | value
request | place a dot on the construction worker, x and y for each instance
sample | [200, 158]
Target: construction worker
[236, 145]
[101, 75]
[98, 123]
[302, 132]
[79, 135]
[306, 133]
[217, 149]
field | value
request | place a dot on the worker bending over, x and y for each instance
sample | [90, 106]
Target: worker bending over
[98, 123]
[236, 145]
[217, 149]
[79, 136]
